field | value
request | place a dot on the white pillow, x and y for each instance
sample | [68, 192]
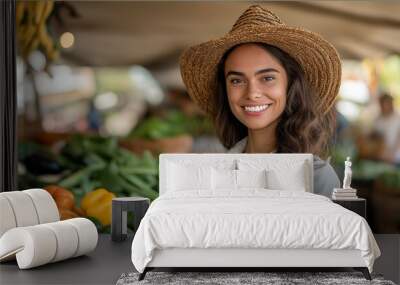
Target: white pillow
[228, 179]
[284, 174]
[252, 178]
[224, 179]
[181, 177]
[294, 180]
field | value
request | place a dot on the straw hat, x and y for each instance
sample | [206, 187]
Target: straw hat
[318, 58]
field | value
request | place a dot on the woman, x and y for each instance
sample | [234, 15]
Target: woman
[268, 88]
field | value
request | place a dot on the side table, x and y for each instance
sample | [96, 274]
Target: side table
[120, 207]
[357, 205]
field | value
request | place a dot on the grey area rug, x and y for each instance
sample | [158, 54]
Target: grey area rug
[225, 278]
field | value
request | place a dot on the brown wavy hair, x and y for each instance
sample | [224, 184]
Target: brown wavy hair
[300, 128]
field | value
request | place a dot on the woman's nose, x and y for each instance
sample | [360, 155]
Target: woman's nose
[253, 92]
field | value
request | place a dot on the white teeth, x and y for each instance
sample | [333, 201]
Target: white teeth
[256, 108]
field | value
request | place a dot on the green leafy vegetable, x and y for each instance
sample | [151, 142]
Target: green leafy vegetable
[99, 162]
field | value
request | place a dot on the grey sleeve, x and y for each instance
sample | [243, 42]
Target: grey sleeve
[325, 178]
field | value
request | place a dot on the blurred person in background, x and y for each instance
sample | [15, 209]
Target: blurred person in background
[387, 125]
[94, 117]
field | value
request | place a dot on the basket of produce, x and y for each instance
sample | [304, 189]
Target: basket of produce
[178, 144]
[171, 133]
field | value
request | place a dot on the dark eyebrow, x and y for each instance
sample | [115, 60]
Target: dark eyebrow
[257, 72]
[266, 70]
[234, 73]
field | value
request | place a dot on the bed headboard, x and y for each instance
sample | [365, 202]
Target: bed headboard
[230, 161]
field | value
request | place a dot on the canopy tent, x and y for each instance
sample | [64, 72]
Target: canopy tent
[153, 34]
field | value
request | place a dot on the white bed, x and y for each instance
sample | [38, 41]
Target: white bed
[199, 224]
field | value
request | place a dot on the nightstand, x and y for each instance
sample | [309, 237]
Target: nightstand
[358, 205]
[120, 207]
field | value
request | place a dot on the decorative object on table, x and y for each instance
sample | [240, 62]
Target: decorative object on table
[31, 230]
[120, 207]
[345, 193]
[216, 278]
[347, 173]
[37, 245]
[358, 205]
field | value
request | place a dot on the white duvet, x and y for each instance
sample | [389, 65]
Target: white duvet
[252, 218]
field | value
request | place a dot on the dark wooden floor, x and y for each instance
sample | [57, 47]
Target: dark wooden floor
[102, 266]
[110, 260]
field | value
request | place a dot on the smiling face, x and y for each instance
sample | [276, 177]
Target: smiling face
[256, 86]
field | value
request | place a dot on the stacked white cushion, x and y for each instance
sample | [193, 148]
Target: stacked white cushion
[32, 246]
[7, 218]
[45, 205]
[23, 208]
[26, 208]
[87, 235]
[66, 239]
[31, 230]
[41, 244]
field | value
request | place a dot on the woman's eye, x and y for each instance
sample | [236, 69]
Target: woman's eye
[235, 81]
[268, 78]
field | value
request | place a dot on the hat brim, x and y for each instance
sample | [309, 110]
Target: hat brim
[318, 58]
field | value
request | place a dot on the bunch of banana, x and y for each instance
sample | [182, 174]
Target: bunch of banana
[31, 18]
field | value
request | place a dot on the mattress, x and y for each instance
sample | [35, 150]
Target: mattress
[250, 219]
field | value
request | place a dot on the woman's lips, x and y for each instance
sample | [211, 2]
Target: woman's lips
[255, 113]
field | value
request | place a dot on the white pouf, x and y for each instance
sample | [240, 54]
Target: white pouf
[7, 218]
[66, 238]
[87, 235]
[40, 244]
[26, 208]
[45, 205]
[23, 208]
[33, 246]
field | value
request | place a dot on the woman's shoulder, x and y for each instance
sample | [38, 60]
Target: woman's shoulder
[325, 177]
[319, 162]
[238, 147]
[322, 165]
